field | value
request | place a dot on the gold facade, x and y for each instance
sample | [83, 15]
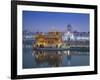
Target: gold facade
[51, 39]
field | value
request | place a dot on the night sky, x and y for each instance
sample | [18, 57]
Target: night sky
[47, 21]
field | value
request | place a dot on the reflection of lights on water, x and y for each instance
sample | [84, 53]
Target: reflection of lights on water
[69, 62]
[59, 52]
[47, 57]
[28, 46]
[33, 54]
[55, 58]
[68, 56]
[75, 53]
[67, 52]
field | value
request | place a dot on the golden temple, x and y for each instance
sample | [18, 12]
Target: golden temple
[50, 39]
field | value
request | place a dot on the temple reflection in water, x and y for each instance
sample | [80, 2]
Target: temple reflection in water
[55, 58]
[45, 59]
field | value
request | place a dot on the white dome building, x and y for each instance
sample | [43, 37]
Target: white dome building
[68, 35]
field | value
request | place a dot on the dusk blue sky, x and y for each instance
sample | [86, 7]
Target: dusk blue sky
[46, 21]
